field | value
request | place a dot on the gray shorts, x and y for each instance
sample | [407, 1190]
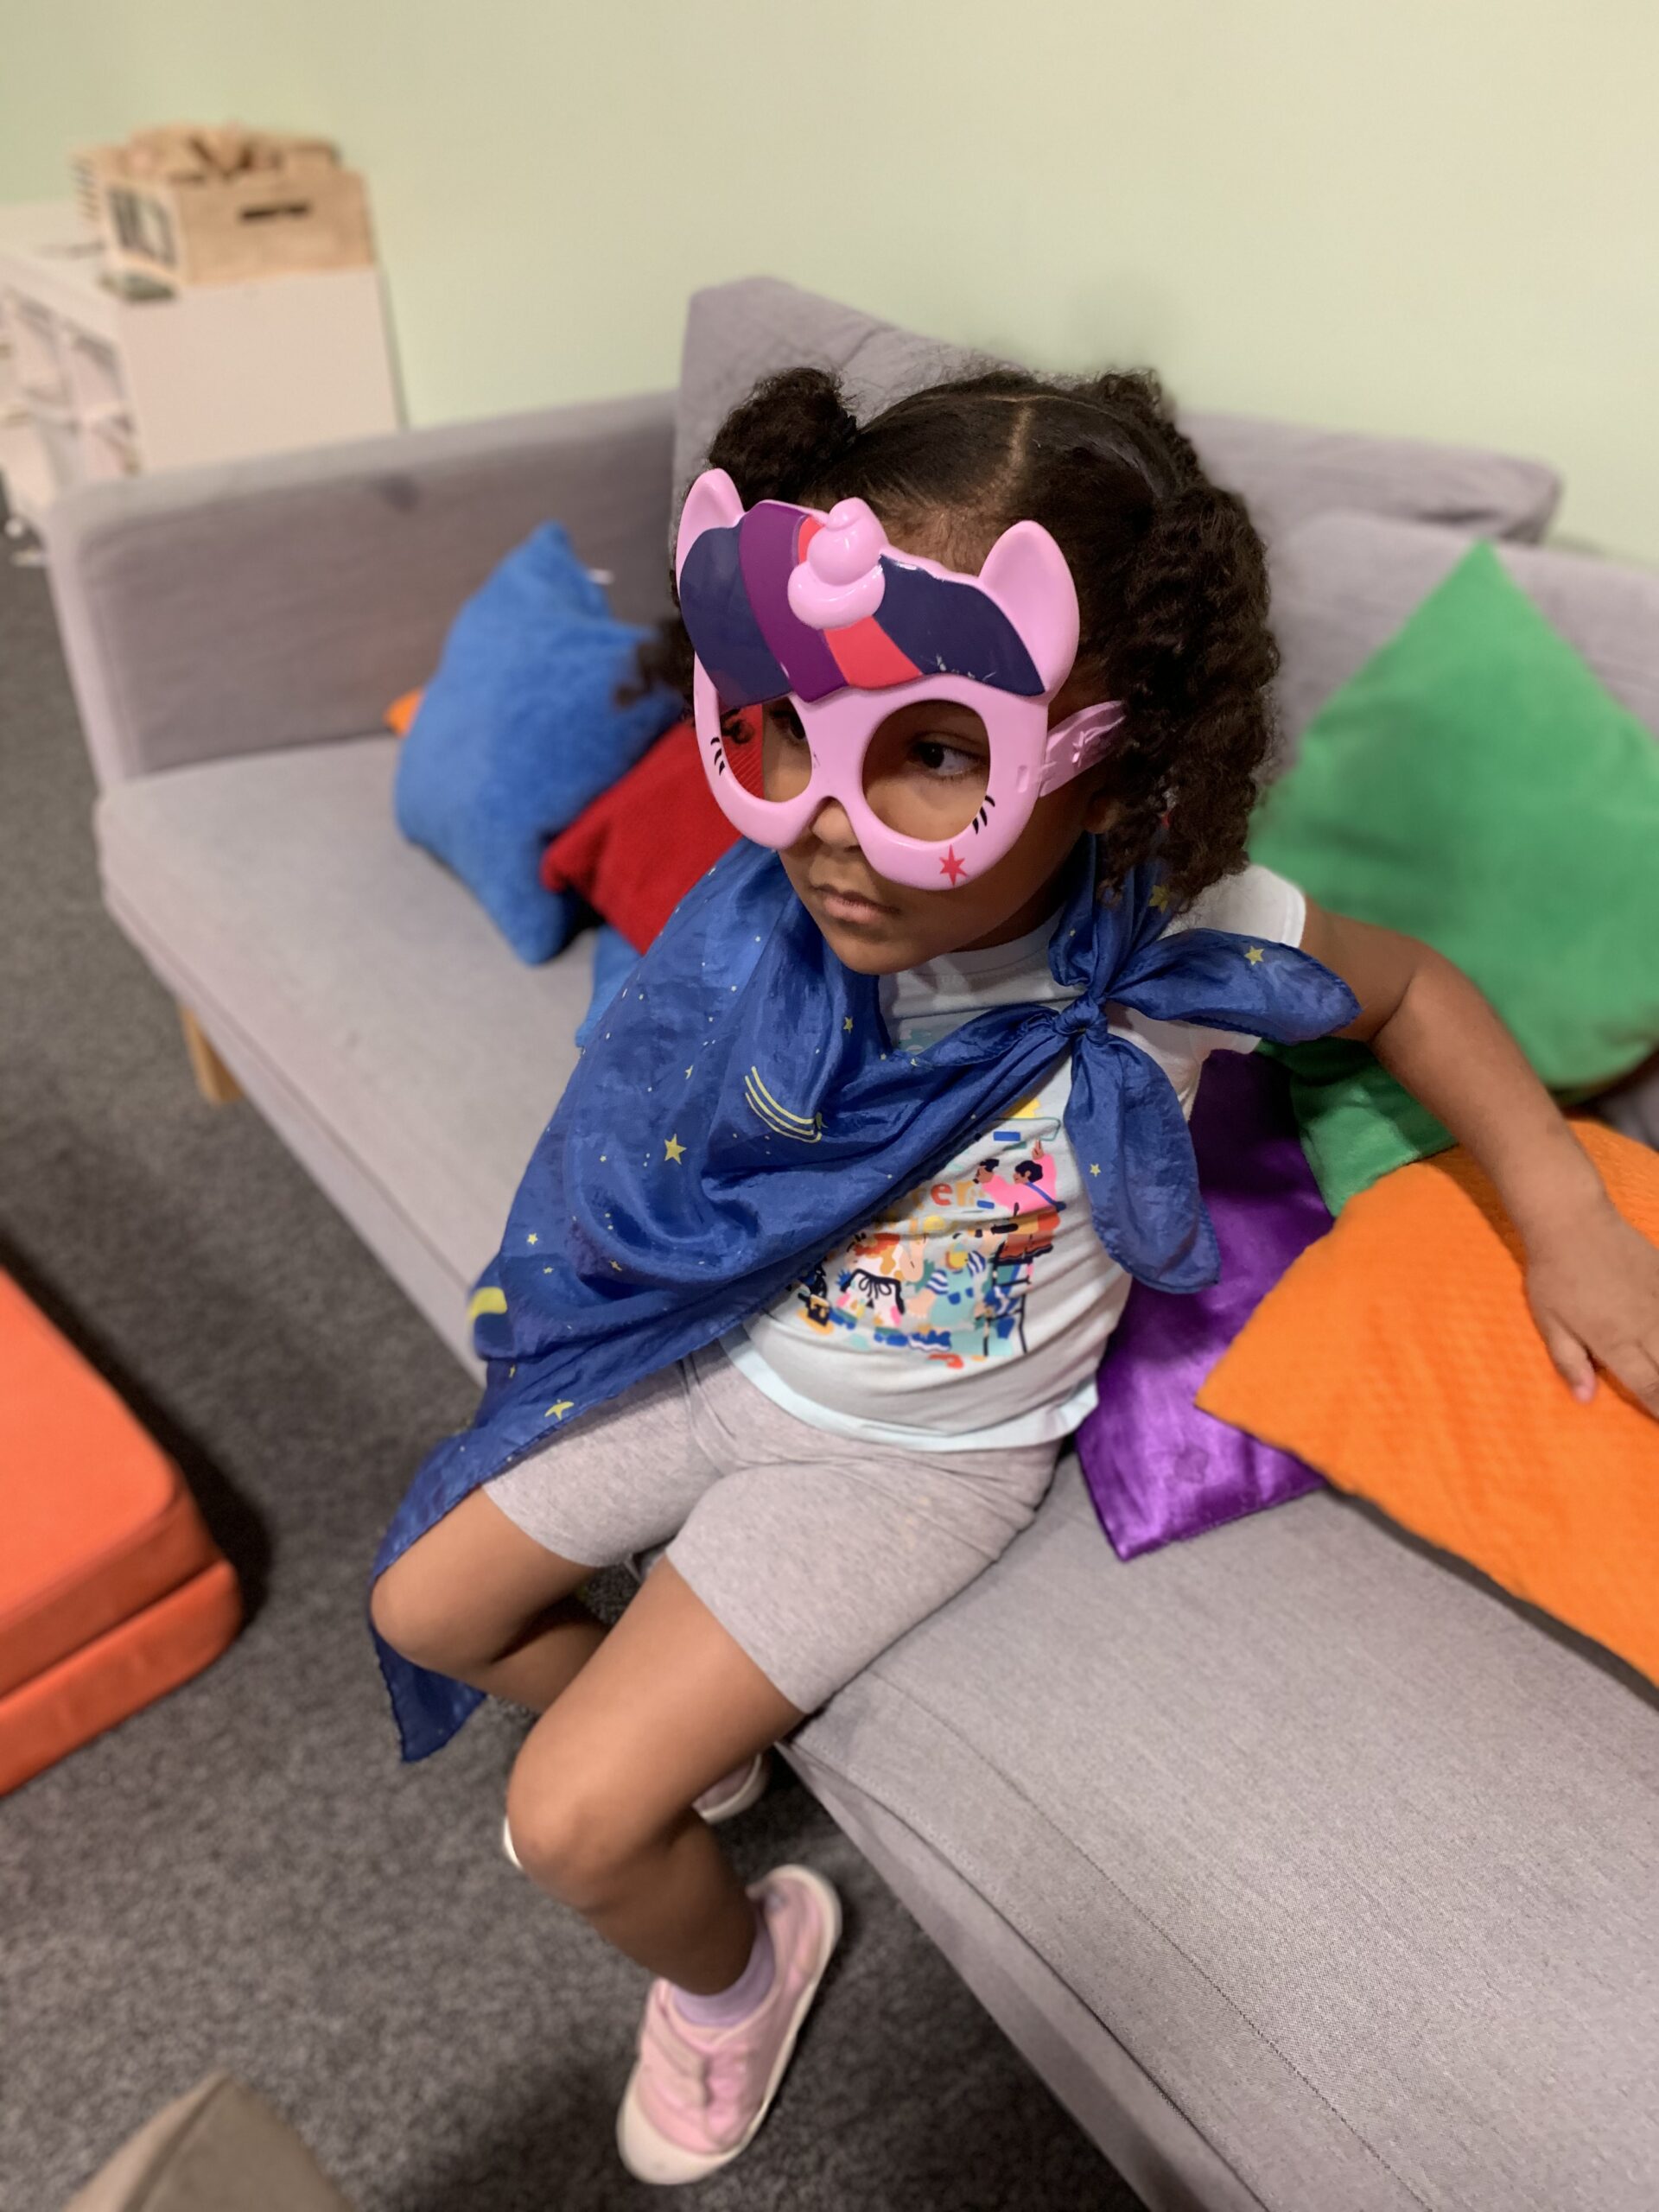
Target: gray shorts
[813, 1551]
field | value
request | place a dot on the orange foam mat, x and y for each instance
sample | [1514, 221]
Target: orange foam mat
[95, 1520]
[118, 1674]
[104, 1560]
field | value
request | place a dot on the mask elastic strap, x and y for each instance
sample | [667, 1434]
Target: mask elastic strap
[1078, 743]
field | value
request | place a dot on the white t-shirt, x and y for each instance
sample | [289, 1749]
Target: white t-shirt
[973, 1314]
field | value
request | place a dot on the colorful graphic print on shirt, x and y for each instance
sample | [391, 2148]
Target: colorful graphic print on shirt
[946, 1274]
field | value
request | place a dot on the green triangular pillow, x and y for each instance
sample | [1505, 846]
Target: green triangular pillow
[1475, 787]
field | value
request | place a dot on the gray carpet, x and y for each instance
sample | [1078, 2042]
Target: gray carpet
[243, 1876]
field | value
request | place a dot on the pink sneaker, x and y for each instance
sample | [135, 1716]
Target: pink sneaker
[735, 1792]
[722, 1801]
[696, 2095]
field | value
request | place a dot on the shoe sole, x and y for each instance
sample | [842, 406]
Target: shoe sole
[753, 1789]
[647, 2154]
[749, 1791]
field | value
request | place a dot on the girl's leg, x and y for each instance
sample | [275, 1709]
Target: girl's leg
[478, 1599]
[600, 1804]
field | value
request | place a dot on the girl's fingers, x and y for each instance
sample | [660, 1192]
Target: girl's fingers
[1572, 1363]
[1638, 1370]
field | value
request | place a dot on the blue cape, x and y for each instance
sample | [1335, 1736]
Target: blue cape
[743, 1111]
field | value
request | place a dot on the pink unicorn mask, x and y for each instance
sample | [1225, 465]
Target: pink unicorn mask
[831, 665]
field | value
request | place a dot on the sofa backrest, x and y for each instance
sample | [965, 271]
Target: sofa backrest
[1343, 583]
[738, 333]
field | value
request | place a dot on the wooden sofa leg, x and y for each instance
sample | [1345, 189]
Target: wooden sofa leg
[214, 1079]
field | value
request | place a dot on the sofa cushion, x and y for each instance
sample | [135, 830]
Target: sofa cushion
[1476, 786]
[1289, 472]
[1343, 584]
[523, 724]
[736, 334]
[636, 852]
[1286, 472]
[1400, 1356]
[1159, 1468]
[1351, 1857]
[357, 989]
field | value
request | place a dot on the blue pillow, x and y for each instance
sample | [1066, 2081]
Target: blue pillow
[519, 730]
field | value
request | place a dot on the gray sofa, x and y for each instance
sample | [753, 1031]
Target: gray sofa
[1312, 1873]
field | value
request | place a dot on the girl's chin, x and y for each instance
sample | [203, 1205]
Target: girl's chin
[866, 951]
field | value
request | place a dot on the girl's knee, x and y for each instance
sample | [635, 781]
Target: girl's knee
[412, 1610]
[463, 1595]
[579, 1838]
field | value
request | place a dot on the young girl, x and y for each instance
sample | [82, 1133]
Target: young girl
[813, 1269]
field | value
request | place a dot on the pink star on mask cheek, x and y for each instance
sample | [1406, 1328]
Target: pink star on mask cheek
[952, 867]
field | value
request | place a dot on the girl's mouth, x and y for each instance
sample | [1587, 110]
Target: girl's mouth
[849, 906]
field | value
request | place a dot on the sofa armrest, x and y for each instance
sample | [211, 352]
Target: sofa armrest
[288, 600]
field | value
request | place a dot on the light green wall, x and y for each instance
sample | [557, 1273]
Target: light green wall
[1429, 216]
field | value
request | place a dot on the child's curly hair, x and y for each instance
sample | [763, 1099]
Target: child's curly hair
[1171, 580]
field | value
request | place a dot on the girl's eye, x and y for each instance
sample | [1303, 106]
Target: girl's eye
[786, 723]
[741, 725]
[938, 757]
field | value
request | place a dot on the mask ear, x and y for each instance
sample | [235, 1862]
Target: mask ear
[1026, 573]
[711, 503]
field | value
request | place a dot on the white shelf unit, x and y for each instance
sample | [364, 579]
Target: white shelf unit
[95, 386]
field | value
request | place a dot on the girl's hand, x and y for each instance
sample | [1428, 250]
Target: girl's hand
[1594, 1285]
[1593, 1281]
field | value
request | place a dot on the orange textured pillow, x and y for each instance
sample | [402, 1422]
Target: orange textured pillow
[401, 711]
[1398, 1355]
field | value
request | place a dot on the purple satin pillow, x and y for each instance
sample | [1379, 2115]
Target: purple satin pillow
[1157, 1468]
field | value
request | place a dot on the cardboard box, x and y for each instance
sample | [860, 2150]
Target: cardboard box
[190, 205]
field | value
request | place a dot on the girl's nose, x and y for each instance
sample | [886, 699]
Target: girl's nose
[831, 826]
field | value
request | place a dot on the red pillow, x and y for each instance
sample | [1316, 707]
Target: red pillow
[640, 848]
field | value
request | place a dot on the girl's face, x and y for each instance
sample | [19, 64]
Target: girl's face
[925, 774]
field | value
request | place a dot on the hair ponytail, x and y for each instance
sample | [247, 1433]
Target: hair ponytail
[1193, 660]
[791, 431]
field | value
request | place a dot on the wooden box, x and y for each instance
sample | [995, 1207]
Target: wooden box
[188, 206]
